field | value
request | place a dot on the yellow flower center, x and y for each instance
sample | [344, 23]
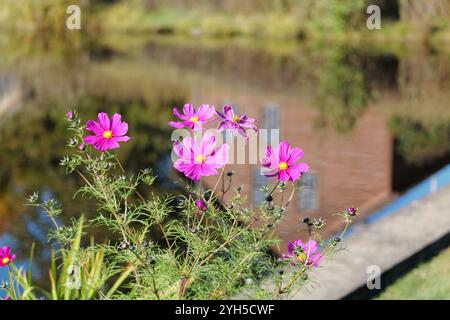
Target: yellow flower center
[301, 257]
[5, 260]
[200, 158]
[236, 118]
[193, 119]
[283, 165]
[107, 134]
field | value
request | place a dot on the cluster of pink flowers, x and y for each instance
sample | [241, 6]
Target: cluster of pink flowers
[203, 159]
[198, 159]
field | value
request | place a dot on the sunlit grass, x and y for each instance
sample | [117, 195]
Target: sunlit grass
[428, 281]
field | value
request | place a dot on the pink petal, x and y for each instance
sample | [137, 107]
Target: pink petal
[118, 127]
[122, 138]
[192, 171]
[177, 113]
[175, 124]
[99, 143]
[283, 151]
[282, 175]
[93, 126]
[316, 259]
[207, 170]
[208, 144]
[302, 167]
[188, 143]
[221, 115]
[188, 110]
[112, 143]
[178, 148]
[205, 112]
[219, 158]
[243, 133]
[228, 111]
[293, 174]
[295, 155]
[223, 125]
[269, 151]
[311, 247]
[103, 121]
[93, 139]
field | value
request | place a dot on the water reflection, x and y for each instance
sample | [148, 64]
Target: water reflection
[371, 124]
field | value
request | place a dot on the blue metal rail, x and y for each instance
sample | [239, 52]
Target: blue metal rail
[437, 181]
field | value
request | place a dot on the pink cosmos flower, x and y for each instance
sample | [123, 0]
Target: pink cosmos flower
[191, 118]
[197, 161]
[5, 256]
[282, 162]
[303, 253]
[236, 123]
[107, 132]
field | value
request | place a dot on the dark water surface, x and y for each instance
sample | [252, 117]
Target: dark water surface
[372, 123]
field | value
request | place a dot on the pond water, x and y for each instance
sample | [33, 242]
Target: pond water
[372, 123]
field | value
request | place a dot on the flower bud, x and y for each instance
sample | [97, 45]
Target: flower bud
[82, 146]
[319, 223]
[352, 212]
[105, 166]
[70, 115]
[123, 245]
[201, 204]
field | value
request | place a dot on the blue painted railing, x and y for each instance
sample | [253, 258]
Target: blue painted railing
[437, 181]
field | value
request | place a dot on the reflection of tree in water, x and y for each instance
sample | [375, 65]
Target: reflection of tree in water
[342, 91]
[420, 142]
[334, 75]
[421, 125]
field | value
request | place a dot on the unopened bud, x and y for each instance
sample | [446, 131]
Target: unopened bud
[201, 204]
